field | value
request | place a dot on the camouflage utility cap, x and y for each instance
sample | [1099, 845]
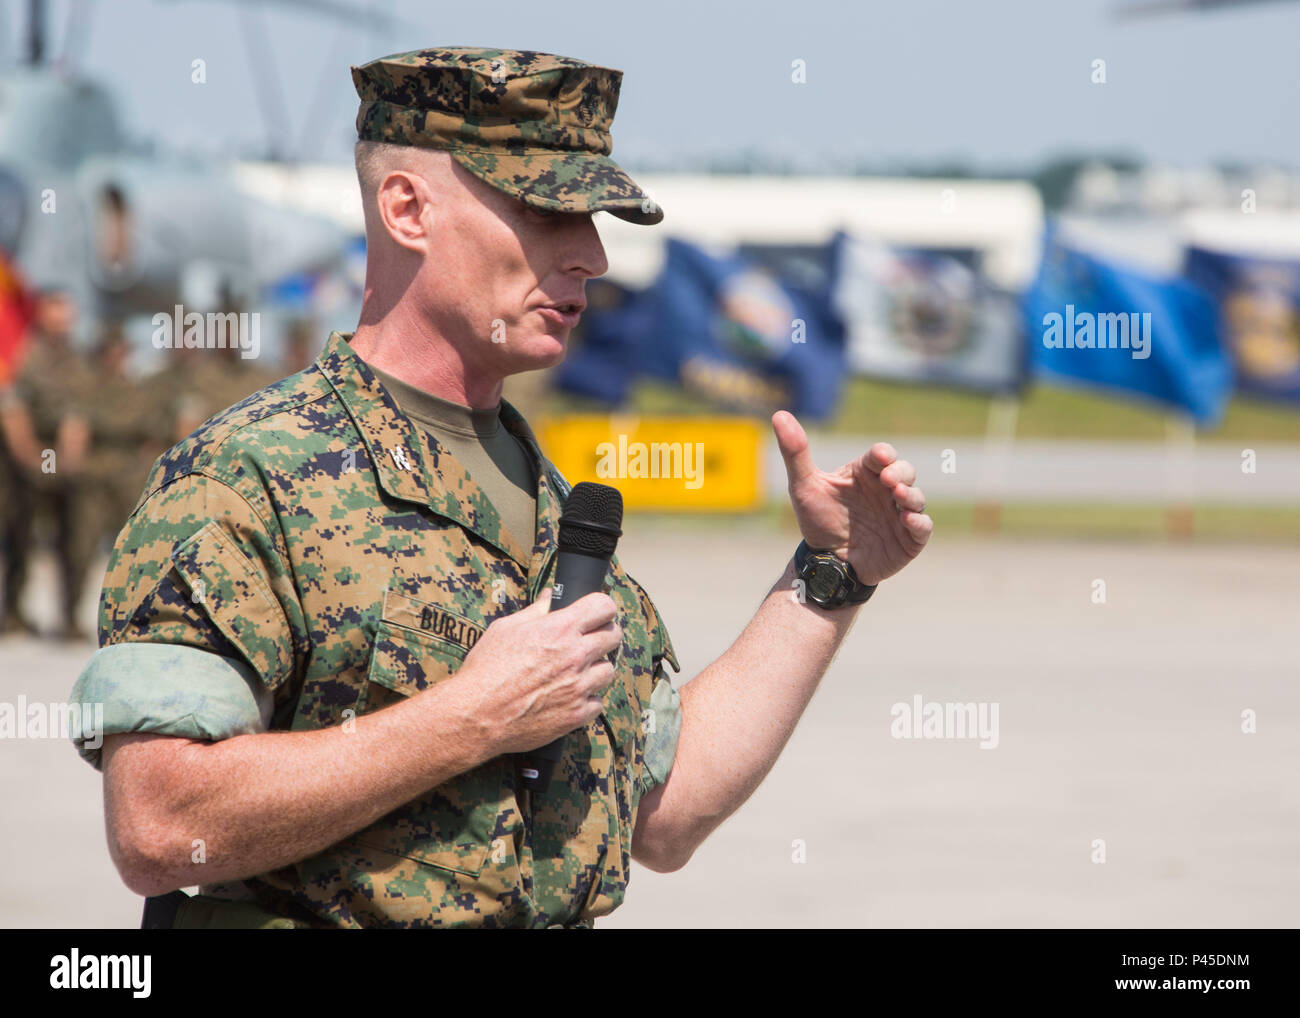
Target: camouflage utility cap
[533, 125]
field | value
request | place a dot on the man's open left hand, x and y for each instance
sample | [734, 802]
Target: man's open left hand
[869, 512]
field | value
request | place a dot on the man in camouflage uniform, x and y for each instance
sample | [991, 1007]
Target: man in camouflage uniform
[325, 641]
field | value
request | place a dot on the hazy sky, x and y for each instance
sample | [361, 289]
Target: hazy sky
[997, 82]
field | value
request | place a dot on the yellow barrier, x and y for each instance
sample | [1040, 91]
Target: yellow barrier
[682, 464]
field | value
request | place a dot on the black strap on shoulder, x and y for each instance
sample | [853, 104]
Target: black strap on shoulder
[160, 912]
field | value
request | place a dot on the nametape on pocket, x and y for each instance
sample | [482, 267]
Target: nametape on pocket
[433, 619]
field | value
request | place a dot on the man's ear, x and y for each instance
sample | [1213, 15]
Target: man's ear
[405, 205]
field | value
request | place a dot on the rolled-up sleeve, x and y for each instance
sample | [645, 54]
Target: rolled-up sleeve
[167, 690]
[663, 721]
[199, 619]
[661, 740]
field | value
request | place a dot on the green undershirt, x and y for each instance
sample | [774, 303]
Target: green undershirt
[479, 442]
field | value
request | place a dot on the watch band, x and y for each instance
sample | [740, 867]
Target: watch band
[859, 593]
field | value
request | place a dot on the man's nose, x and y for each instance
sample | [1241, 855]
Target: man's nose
[586, 252]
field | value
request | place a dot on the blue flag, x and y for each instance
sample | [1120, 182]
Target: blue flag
[614, 330]
[1259, 317]
[1101, 323]
[722, 325]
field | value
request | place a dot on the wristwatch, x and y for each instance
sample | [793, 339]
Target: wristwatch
[829, 581]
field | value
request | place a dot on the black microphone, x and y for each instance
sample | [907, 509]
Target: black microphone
[589, 530]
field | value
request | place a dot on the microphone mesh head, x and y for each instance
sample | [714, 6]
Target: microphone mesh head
[592, 520]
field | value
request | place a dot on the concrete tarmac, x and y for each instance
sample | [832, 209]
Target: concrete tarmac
[1046, 471]
[1119, 736]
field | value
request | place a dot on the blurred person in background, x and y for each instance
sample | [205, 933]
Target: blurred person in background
[128, 434]
[47, 439]
[301, 345]
[196, 383]
[17, 308]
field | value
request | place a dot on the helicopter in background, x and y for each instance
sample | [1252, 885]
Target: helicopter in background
[127, 229]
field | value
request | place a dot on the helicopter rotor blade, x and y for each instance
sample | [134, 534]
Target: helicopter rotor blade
[1152, 8]
[330, 8]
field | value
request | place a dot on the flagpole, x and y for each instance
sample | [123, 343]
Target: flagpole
[1180, 469]
[999, 438]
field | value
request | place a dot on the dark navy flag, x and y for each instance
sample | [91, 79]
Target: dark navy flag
[722, 325]
[1098, 322]
[1259, 317]
[926, 316]
[609, 342]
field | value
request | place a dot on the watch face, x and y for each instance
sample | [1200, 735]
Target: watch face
[823, 581]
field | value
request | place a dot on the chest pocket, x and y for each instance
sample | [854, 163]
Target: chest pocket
[417, 645]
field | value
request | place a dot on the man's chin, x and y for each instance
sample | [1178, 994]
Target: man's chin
[544, 351]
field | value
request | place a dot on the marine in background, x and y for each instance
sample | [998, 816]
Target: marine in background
[47, 440]
[128, 434]
[196, 383]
